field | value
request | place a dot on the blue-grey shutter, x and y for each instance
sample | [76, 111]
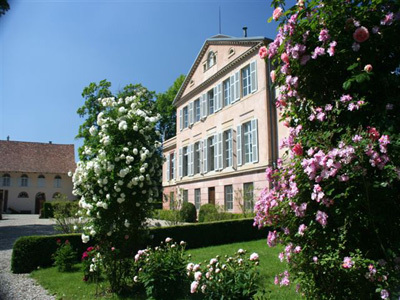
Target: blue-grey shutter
[232, 89]
[201, 156]
[239, 145]
[168, 167]
[215, 145]
[253, 76]
[181, 119]
[237, 86]
[254, 137]
[219, 152]
[173, 167]
[191, 116]
[218, 97]
[191, 160]
[204, 105]
[180, 162]
[205, 154]
[230, 152]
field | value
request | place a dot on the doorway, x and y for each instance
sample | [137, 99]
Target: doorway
[211, 195]
[39, 200]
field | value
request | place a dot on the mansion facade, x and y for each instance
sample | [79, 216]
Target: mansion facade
[32, 173]
[227, 128]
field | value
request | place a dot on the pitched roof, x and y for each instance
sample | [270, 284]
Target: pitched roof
[36, 157]
[219, 39]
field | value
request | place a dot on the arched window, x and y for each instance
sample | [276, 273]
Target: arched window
[6, 180]
[41, 181]
[56, 195]
[57, 181]
[23, 195]
[24, 180]
[211, 60]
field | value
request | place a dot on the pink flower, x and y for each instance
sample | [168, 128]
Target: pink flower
[304, 59]
[197, 276]
[345, 98]
[297, 149]
[276, 280]
[277, 13]
[318, 51]
[273, 76]
[254, 257]
[285, 57]
[286, 123]
[321, 218]
[331, 50]
[357, 138]
[271, 240]
[361, 34]
[388, 20]
[193, 287]
[302, 228]
[297, 249]
[324, 35]
[373, 133]
[263, 52]
[315, 259]
[368, 68]
[347, 263]
[112, 248]
[385, 294]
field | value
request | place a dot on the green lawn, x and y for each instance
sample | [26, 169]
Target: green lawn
[71, 286]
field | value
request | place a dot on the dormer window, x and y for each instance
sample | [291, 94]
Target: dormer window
[211, 59]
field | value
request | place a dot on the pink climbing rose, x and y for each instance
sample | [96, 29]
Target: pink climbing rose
[361, 34]
[277, 13]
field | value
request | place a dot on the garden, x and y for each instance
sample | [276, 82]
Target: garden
[330, 214]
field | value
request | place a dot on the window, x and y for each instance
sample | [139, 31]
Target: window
[185, 117]
[197, 110]
[57, 181]
[246, 82]
[210, 96]
[171, 200]
[197, 156]
[227, 92]
[6, 180]
[185, 196]
[185, 161]
[231, 52]
[41, 181]
[172, 165]
[23, 195]
[211, 153]
[248, 191]
[228, 157]
[211, 60]
[228, 197]
[197, 198]
[247, 143]
[24, 180]
[248, 146]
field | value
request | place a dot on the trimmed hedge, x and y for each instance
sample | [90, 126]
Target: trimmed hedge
[167, 215]
[188, 212]
[36, 251]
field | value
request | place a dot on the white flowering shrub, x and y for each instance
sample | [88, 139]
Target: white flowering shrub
[120, 177]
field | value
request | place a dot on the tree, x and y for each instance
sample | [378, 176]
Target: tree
[4, 7]
[167, 110]
[335, 201]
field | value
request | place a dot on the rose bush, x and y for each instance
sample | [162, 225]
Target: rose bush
[119, 178]
[335, 199]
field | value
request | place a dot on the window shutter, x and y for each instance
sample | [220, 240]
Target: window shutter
[173, 167]
[253, 76]
[220, 166]
[230, 152]
[232, 89]
[254, 137]
[191, 160]
[205, 154]
[215, 152]
[219, 96]
[204, 106]
[180, 163]
[201, 156]
[191, 116]
[237, 86]
[181, 119]
[239, 145]
[168, 167]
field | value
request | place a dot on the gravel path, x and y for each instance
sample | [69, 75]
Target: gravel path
[20, 286]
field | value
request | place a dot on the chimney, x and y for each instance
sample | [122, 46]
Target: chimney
[50, 142]
[245, 31]
[8, 138]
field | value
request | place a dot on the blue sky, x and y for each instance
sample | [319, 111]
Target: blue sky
[50, 50]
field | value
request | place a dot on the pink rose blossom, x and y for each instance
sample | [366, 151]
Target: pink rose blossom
[318, 51]
[302, 228]
[273, 76]
[263, 52]
[285, 57]
[297, 149]
[347, 263]
[368, 68]
[315, 259]
[277, 13]
[331, 50]
[388, 19]
[193, 287]
[304, 59]
[324, 35]
[271, 240]
[373, 133]
[321, 218]
[254, 257]
[385, 294]
[345, 98]
[389, 106]
[361, 34]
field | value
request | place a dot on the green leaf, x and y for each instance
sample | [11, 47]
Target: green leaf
[352, 67]
[347, 84]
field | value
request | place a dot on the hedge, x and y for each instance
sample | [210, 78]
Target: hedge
[31, 252]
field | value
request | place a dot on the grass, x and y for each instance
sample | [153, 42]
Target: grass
[68, 286]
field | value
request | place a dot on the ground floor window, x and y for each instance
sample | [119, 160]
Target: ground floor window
[197, 198]
[248, 194]
[185, 196]
[228, 197]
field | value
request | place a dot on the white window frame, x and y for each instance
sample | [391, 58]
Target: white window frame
[197, 110]
[197, 198]
[228, 148]
[246, 81]
[228, 197]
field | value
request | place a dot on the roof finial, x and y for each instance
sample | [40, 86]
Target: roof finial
[220, 20]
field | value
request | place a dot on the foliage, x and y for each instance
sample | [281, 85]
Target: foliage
[162, 270]
[119, 179]
[188, 212]
[64, 212]
[64, 257]
[234, 277]
[30, 252]
[167, 110]
[208, 212]
[337, 199]
[4, 7]
[172, 216]
[91, 263]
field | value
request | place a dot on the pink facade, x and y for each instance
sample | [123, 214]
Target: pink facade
[227, 129]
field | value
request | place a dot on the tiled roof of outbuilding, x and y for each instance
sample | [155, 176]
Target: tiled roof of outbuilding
[36, 157]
